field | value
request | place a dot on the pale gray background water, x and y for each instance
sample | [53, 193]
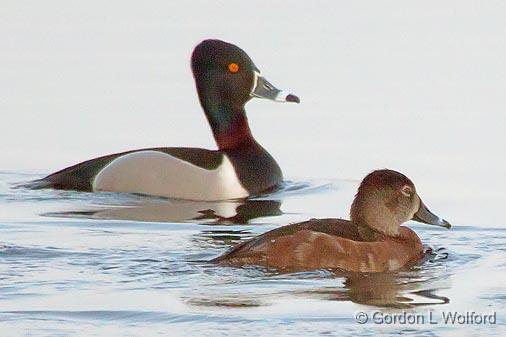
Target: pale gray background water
[416, 86]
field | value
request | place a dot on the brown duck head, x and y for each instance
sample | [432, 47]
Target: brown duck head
[386, 199]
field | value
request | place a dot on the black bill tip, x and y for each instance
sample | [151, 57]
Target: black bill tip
[445, 224]
[292, 98]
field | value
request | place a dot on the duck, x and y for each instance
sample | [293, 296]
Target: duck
[226, 79]
[373, 240]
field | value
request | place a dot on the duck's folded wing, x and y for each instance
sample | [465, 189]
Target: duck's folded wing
[80, 176]
[288, 244]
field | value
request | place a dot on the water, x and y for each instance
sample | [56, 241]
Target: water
[414, 86]
[74, 263]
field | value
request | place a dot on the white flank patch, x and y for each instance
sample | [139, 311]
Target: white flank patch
[160, 174]
[393, 264]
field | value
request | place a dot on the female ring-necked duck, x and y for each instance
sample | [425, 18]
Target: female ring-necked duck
[373, 241]
[226, 78]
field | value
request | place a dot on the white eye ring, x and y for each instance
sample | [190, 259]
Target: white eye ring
[407, 191]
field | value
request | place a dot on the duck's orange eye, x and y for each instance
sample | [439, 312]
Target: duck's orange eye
[233, 67]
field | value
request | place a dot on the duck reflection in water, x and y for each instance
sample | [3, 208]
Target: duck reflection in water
[174, 210]
[416, 287]
[400, 290]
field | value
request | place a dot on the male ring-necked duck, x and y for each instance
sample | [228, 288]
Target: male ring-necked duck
[226, 78]
[373, 241]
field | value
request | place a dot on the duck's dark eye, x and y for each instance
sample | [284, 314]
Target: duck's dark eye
[407, 191]
[233, 67]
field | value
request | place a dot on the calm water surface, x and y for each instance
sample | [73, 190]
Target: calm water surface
[86, 264]
[416, 86]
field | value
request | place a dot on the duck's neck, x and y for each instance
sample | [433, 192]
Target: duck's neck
[367, 233]
[229, 125]
[370, 213]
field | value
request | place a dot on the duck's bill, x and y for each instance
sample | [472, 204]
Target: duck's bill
[425, 216]
[263, 89]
